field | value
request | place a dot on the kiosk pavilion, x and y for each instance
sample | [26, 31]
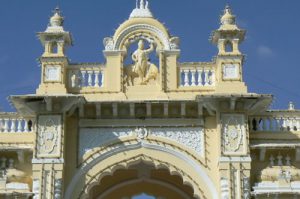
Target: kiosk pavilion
[168, 129]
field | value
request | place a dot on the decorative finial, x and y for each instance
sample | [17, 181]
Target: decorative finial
[142, 10]
[142, 4]
[228, 17]
[291, 106]
[56, 19]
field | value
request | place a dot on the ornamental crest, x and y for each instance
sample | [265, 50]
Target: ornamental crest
[233, 134]
[49, 133]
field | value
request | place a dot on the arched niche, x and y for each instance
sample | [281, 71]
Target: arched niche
[131, 31]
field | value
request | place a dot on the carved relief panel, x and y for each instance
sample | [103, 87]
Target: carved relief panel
[49, 136]
[233, 134]
[190, 137]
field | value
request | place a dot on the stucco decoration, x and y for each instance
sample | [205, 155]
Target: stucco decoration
[247, 189]
[57, 188]
[36, 188]
[192, 137]
[234, 134]
[49, 136]
[149, 31]
[108, 43]
[224, 188]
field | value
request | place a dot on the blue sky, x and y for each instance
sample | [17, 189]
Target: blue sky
[272, 45]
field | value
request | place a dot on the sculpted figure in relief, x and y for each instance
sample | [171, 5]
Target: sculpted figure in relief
[142, 68]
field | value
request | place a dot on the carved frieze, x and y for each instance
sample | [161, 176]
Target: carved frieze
[49, 136]
[233, 134]
[192, 138]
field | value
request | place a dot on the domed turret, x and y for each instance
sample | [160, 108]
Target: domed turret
[56, 22]
[228, 17]
[56, 19]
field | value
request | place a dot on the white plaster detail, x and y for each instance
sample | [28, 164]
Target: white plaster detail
[47, 161]
[230, 71]
[145, 27]
[52, 73]
[234, 159]
[108, 43]
[57, 188]
[142, 10]
[36, 188]
[246, 187]
[141, 133]
[234, 134]
[269, 187]
[17, 186]
[49, 136]
[192, 137]
[224, 188]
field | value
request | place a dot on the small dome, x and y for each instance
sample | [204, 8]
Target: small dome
[56, 19]
[228, 17]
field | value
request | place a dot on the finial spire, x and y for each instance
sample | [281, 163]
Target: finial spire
[291, 106]
[142, 10]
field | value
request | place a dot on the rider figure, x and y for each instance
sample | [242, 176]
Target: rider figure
[140, 58]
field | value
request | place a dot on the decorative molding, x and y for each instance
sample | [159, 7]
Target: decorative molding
[231, 72]
[246, 188]
[36, 189]
[145, 27]
[49, 136]
[190, 137]
[234, 134]
[224, 188]
[52, 73]
[48, 161]
[235, 159]
[57, 188]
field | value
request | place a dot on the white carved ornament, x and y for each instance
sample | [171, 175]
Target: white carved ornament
[230, 71]
[49, 136]
[52, 73]
[233, 133]
[192, 137]
[142, 27]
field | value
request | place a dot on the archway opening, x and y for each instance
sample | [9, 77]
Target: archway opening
[141, 181]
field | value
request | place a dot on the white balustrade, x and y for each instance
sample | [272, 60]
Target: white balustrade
[275, 123]
[12, 123]
[88, 77]
[197, 76]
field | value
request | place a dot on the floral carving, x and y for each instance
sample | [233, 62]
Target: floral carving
[192, 138]
[49, 133]
[233, 133]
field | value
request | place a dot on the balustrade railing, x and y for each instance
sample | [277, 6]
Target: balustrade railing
[196, 76]
[86, 77]
[13, 123]
[275, 122]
